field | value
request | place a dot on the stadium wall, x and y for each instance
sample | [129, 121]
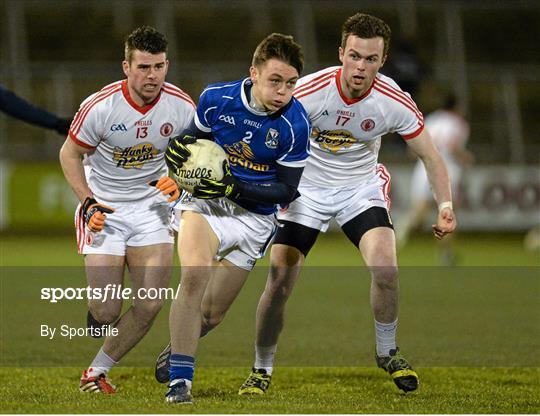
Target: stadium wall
[493, 198]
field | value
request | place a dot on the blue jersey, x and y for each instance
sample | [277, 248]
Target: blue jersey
[255, 142]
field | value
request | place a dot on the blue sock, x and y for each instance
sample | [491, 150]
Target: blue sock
[182, 366]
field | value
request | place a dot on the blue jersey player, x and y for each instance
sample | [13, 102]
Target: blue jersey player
[226, 225]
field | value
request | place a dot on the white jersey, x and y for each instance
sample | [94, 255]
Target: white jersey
[448, 131]
[129, 141]
[346, 134]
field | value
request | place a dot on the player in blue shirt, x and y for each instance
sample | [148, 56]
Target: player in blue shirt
[226, 225]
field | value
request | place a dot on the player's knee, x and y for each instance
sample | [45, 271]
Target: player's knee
[105, 314]
[386, 277]
[210, 320]
[148, 309]
[281, 285]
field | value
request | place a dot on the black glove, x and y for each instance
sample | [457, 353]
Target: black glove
[177, 152]
[93, 214]
[210, 189]
[62, 125]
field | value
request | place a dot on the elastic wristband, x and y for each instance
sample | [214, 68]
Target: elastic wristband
[447, 204]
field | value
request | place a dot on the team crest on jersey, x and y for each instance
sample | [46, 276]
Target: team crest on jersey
[166, 129]
[333, 140]
[271, 140]
[134, 156]
[367, 125]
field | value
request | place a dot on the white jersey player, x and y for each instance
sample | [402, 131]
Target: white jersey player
[123, 131]
[450, 133]
[351, 107]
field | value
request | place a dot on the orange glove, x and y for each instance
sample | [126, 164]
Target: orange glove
[167, 186]
[93, 214]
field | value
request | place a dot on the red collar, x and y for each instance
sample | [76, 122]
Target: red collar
[346, 99]
[141, 109]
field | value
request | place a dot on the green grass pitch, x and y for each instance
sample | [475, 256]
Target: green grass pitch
[472, 333]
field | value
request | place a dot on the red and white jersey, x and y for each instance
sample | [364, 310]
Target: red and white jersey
[449, 131]
[129, 141]
[346, 134]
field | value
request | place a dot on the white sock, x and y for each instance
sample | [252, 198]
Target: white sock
[101, 365]
[264, 357]
[385, 335]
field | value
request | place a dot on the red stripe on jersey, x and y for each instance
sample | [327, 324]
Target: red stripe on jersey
[175, 88]
[316, 80]
[396, 90]
[82, 113]
[398, 99]
[320, 87]
[386, 177]
[184, 96]
[110, 86]
[387, 87]
[414, 134]
[99, 93]
[346, 99]
[79, 142]
[141, 109]
[79, 229]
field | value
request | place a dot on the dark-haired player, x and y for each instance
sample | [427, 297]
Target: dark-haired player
[351, 107]
[123, 131]
[225, 226]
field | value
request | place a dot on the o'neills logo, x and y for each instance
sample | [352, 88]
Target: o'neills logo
[333, 140]
[134, 156]
[195, 173]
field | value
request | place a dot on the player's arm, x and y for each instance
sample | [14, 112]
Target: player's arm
[282, 192]
[71, 161]
[94, 213]
[438, 178]
[15, 106]
[177, 152]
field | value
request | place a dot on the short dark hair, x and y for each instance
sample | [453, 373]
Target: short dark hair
[282, 47]
[366, 26]
[147, 39]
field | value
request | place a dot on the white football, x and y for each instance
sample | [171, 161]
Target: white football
[205, 161]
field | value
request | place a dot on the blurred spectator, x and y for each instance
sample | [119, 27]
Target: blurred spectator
[449, 132]
[17, 107]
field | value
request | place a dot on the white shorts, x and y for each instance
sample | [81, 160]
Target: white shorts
[316, 205]
[136, 223]
[243, 235]
[420, 188]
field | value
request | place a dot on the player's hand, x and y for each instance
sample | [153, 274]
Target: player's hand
[94, 214]
[210, 189]
[168, 187]
[446, 223]
[177, 152]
